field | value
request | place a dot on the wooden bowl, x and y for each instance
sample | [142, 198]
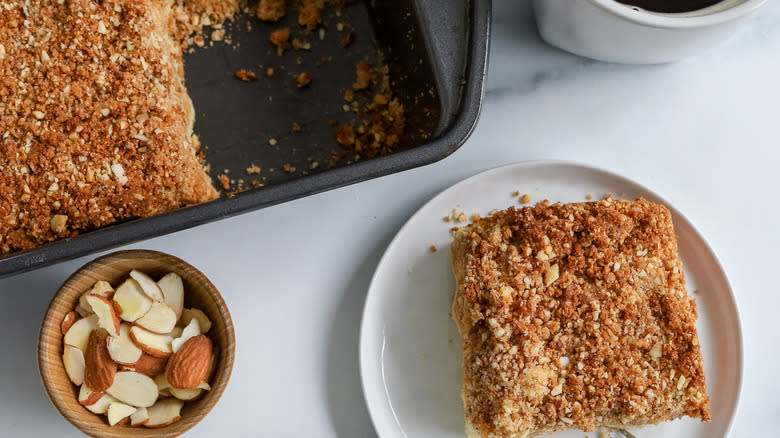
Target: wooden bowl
[114, 268]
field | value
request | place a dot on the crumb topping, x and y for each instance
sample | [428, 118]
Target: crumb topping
[575, 316]
[95, 122]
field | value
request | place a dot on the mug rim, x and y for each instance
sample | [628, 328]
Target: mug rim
[674, 21]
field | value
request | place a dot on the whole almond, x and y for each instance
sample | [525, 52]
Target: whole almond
[149, 365]
[100, 368]
[189, 366]
[68, 321]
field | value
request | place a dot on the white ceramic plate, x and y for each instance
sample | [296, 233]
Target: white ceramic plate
[410, 359]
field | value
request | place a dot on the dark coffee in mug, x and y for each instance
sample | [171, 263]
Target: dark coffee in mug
[670, 6]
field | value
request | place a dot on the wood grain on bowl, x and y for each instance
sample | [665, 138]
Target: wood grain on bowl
[114, 268]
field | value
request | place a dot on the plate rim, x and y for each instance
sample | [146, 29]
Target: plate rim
[362, 359]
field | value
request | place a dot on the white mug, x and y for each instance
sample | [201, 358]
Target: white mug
[611, 31]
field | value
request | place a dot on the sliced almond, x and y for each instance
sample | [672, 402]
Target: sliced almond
[151, 343]
[130, 301]
[149, 365]
[189, 394]
[150, 288]
[203, 320]
[73, 360]
[83, 311]
[185, 394]
[164, 412]
[88, 397]
[139, 417]
[101, 406]
[118, 411]
[189, 366]
[68, 321]
[100, 368]
[192, 330]
[173, 291]
[78, 334]
[107, 317]
[122, 349]
[159, 319]
[161, 382]
[101, 289]
[134, 389]
[213, 364]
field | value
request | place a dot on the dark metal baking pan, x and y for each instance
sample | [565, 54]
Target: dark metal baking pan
[436, 51]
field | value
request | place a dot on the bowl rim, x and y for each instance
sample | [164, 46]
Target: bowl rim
[673, 21]
[227, 357]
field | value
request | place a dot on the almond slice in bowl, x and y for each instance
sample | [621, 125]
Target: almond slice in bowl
[191, 330]
[151, 343]
[159, 319]
[122, 349]
[107, 318]
[149, 286]
[88, 397]
[130, 301]
[139, 417]
[118, 411]
[101, 406]
[172, 288]
[78, 333]
[203, 320]
[73, 360]
[164, 412]
[133, 388]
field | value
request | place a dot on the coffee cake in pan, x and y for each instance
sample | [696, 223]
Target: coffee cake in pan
[95, 120]
[575, 316]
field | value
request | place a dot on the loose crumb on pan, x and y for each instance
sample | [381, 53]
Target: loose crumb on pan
[253, 169]
[295, 127]
[364, 75]
[269, 72]
[272, 142]
[516, 193]
[246, 75]
[303, 80]
[433, 248]
[299, 44]
[310, 13]
[288, 168]
[381, 121]
[588, 197]
[271, 10]
[525, 199]
[225, 181]
[348, 40]
[281, 39]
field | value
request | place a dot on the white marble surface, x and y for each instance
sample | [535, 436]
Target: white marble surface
[703, 133]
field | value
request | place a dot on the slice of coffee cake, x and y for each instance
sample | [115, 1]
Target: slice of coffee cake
[575, 316]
